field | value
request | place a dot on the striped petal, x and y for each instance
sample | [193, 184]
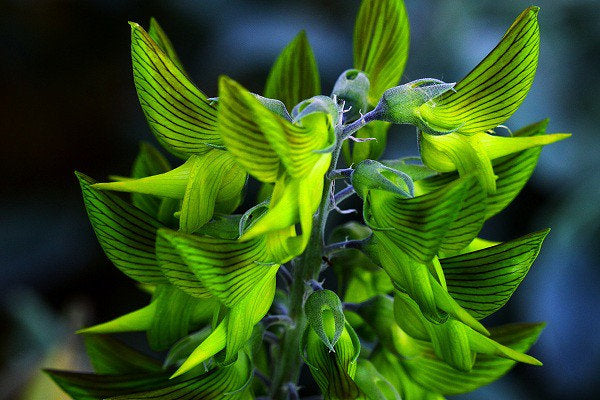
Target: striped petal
[180, 116]
[228, 381]
[434, 375]
[156, 32]
[294, 76]
[229, 269]
[512, 172]
[177, 271]
[452, 341]
[333, 370]
[173, 317]
[416, 225]
[495, 88]
[206, 183]
[215, 178]
[111, 356]
[468, 221]
[235, 330]
[483, 281]
[126, 233]
[381, 40]
[242, 134]
[261, 141]
[170, 315]
[419, 283]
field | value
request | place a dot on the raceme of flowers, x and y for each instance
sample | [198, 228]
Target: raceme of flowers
[235, 279]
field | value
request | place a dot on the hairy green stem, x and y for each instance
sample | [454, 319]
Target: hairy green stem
[307, 267]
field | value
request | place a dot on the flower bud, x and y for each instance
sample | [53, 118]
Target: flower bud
[352, 87]
[370, 174]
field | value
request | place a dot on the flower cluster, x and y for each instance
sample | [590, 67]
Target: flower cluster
[236, 295]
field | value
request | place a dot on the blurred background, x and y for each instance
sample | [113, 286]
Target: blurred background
[67, 102]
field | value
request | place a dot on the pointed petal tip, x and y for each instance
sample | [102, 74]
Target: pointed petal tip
[179, 372]
[82, 331]
[134, 25]
[527, 359]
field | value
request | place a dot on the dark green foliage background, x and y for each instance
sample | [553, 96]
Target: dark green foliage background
[67, 101]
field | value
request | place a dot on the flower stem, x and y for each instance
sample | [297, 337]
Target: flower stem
[306, 268]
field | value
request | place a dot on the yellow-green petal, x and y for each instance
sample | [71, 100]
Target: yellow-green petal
[495, 88]
[180, 116]
[381, 41]
[294, 76]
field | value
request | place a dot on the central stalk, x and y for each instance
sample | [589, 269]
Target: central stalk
[305, 267]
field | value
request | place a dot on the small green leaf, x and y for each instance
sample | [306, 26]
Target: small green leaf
[125, 233]
[180, 116]
[164, 43]
[381, 40]
[111, 356]
[294, 76]
[495, 88]
[314, 306]
[483, 281]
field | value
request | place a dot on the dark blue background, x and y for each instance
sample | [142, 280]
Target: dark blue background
[67, 102]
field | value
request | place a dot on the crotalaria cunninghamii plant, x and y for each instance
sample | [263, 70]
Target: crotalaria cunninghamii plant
[236, 296]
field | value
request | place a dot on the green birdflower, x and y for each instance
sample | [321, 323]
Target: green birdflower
[456, 122]
[234, 282]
